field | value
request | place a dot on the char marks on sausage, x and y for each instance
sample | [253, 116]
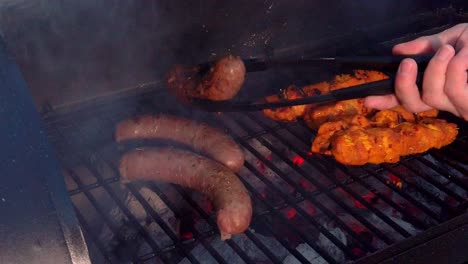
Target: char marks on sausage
[206, 139]
[222, 81]
[229, 197]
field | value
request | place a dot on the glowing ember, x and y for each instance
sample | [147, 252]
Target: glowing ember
[305, 184]
[187, 235]
[207, 205]
[357, 228]
[396, 181]
[291, 213]
[309, 153]
[310, 209]
[298, 160]
[261, 167]
[357, 251]
[370, 198]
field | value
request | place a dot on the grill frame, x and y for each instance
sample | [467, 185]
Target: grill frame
[55, 118]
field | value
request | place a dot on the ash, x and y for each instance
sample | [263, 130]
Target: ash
[130, 241]
[313, 257]
[245, 244]
[264, 169]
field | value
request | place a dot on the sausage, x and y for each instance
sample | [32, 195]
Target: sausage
[229, 196]
[221, 81]
[201, 137]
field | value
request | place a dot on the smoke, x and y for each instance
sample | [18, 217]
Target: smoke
[78, 49]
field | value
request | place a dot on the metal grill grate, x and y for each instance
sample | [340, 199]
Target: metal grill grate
[308, 208]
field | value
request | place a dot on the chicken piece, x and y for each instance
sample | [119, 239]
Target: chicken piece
[286, 114]
[359, 77]
[398, 114]
[321, 142]
[358, 146]
[316, 89]
[319, 115]
[316, 116]
[426, 134]
[430, 113]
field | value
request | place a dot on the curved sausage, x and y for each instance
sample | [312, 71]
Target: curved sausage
[229, 197]
[222, 81]
[206, 139]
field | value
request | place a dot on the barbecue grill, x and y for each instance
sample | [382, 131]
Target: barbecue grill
[308, 208]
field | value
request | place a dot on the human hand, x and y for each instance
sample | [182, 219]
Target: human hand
[445, 81]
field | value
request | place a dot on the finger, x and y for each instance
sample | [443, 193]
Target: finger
[432, 43]
[434, 79]
[426, 44]
[406, 89]
[456, 87]
[381, 102]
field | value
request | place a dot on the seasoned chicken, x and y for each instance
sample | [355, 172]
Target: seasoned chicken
[359, 77]
[396, 115]
[316, 116]
[321, 143]
[355, 134]
[358, 146]
[286, 114]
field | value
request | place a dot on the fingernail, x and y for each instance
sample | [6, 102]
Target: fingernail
[405, 66]
[443, 53]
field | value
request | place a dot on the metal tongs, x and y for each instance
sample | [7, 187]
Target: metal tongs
[386, 64]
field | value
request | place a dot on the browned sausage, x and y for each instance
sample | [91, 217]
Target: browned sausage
[222, 81]
[206, 139]
[229, 197]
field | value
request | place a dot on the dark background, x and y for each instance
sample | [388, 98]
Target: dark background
[70, 50]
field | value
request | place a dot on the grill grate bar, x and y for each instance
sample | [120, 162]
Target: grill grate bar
[133, 221]
[337, 200]
[160, 222]
[205, 216]
[121, 206]
[360, 179]
[375, 174]
[444, 172]
[94, 239]
[92, 186]
[100, 211]
[449, 161]
[415, 186]
[405, 195]
[382, 216]
[196, 234]
[326, 233]
[305, 194]
[435, 183]
[252, 190]
[248, 233]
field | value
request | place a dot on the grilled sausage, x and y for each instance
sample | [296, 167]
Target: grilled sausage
[221, 81]
[201, 137]
[229, 197]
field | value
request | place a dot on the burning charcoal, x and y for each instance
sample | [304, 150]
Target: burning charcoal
[309, 253]
[329, 246]
[245, 244]
[127, 244]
